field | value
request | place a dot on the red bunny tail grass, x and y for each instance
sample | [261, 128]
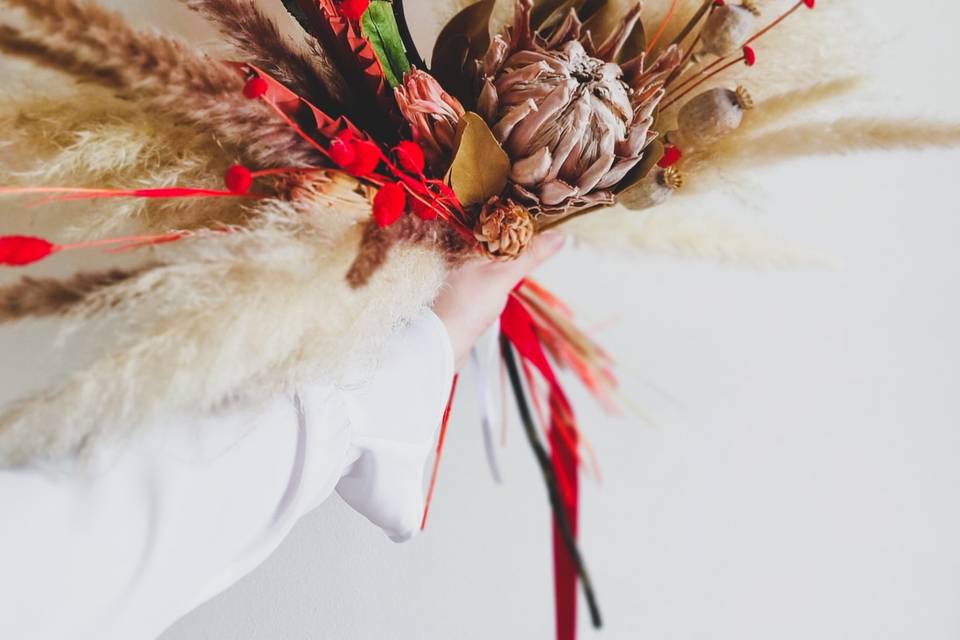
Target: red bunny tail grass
[21, 251]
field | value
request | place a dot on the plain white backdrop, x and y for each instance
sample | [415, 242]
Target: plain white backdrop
[791, 469]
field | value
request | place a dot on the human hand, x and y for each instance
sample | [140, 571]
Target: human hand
[474, 295]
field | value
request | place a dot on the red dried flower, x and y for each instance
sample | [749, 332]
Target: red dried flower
[366, 158]
[423, 210]
[255, 88]
[342, 152]
[354, 9]
[18, 251]
[238, 179]
[410, 156]
[389, 204]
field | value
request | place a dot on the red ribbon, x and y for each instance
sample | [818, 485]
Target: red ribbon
[520, 328]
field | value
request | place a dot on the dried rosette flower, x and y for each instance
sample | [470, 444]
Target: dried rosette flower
[432, 113]
[504, 229]
[572, 120]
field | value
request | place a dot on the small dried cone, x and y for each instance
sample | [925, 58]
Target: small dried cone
[504, 229]
[432, 113]
[573, 121]
[729, 27]
[711, 115]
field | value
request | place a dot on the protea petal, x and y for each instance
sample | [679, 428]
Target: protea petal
[569, 29]
[533, 169]
[617, 172]
[611, 48]
[496, 54]
[636, 139]
[592, 176]
[524, 132]
[556, 192]
[504, 127]
[488, 101]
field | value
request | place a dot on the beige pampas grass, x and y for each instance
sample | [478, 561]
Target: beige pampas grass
[844, 135]
[674, 229]
[226, 316]
[93, 138]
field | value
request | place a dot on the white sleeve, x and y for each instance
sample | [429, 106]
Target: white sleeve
[196, 502]
[394, 428]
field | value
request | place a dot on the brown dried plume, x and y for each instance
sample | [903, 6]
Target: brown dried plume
[259, 38]
[158, 72]
[41, 297]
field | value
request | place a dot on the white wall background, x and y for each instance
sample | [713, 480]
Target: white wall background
[797, 477]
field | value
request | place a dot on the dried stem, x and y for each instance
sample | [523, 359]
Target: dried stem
[549, 475]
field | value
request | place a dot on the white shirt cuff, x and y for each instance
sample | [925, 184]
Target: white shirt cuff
[395, 424]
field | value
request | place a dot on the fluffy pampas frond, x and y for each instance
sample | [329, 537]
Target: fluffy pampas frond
[672, 230]
[93, 138]
[225, 316]
[841, 136]
[830, 137]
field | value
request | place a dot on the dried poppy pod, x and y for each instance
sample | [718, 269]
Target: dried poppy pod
[504, 229]
[655, 189]
[710, 116]
[729, 27]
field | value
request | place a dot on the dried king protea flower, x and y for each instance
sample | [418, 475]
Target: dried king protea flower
[572, 120]
[504, 229]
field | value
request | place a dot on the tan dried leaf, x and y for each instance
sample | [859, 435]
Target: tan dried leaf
[480, 165]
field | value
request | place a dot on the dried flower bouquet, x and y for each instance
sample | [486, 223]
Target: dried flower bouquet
[309, 196]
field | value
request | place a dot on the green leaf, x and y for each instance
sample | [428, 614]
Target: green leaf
[380, 28]
[480, 166]
[466, 37]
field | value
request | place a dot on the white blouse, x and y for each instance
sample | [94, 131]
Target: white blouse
[194, 504]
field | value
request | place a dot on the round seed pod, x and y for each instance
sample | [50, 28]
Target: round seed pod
[712, 115]
[655, 189]
[729, 27]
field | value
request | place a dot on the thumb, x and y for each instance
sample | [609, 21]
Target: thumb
[544, 246]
